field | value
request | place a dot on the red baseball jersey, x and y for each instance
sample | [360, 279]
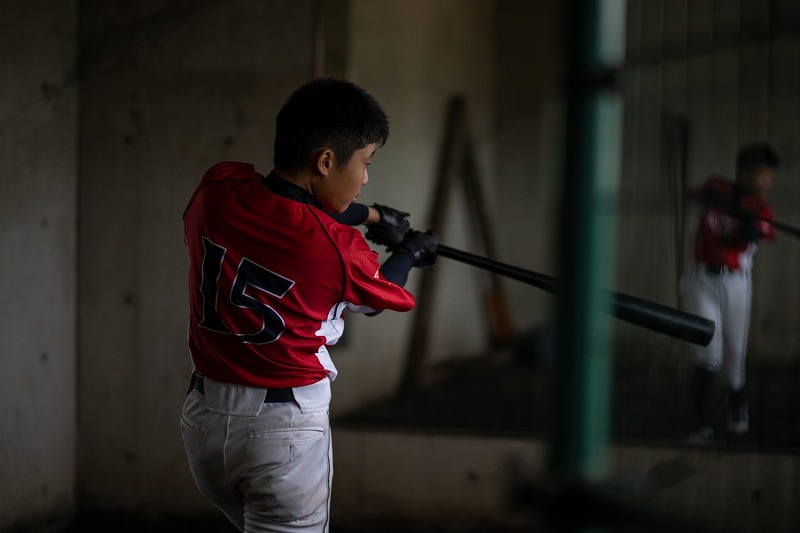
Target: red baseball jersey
[269, 278]
[720, 239]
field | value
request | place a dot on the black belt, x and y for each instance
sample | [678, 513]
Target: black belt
[717, 269]
[272, 396]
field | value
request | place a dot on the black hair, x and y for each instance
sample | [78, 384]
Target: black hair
[327, 113]
[755, 154]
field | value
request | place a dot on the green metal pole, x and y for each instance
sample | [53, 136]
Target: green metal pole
[594, 33]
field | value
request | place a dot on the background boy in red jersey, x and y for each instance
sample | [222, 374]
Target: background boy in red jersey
[271, 272]
[734, 217]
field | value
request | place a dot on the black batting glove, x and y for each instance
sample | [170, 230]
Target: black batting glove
[392, 228]
[421, 246]
[747, 213]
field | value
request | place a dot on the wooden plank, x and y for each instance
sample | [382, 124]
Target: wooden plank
[777, 287]
[636, 198]
[754, 68]
[457, 164]
[723, 116]
[675, 128]
[500, 325]
[450, 167]
[699, 43]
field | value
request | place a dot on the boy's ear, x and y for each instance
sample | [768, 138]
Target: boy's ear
[324, 161]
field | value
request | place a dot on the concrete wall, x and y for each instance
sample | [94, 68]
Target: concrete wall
[38, 149]
[166, 92]
[111, 111]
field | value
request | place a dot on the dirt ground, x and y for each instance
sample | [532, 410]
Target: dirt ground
[650, 403]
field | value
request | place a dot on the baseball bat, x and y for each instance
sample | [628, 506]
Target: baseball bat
[785, 227]
[644, 313]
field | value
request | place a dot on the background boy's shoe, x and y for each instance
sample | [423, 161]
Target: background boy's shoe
[702, 436]
[738, 420]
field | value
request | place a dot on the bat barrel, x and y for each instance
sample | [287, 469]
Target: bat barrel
[662, 319]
